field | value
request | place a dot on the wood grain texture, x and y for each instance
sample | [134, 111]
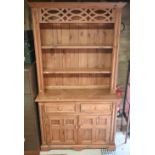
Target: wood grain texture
[76, 47]
[42, 125]
[110, 147]
[38, 53]
[77, 95]
[115, 50]
[77, 70]
[77, 5]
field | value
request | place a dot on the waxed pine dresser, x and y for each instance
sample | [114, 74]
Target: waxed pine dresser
[77, 47]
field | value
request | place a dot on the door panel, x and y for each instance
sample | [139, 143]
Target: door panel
[86, 129]
[102, 129]
[61, 130]
[70, 127]
[85, 136]
[94, 129]
[54, 132]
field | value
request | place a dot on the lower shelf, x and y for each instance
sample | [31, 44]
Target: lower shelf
[77, 71]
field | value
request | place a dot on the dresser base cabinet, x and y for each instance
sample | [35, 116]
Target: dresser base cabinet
[79, 125]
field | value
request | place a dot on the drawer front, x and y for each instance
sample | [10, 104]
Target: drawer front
[60, 108]
[104, 108]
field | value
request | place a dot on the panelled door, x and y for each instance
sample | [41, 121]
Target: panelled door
[94, 129]
[70, 130]
[86, 132]
[61, 130]
[54, 132]
[102, 130]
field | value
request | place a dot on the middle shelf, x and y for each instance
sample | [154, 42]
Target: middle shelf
[77, 71]
[77, 47]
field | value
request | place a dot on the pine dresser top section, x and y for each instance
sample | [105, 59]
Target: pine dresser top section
[77, 95]
[77, 4]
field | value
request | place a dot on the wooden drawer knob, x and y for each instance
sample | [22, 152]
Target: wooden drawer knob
[60, 108]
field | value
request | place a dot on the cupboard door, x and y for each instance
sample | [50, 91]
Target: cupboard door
[102, 130]
[61, 130]
[69, 128]
[86, 133]
[94, 129]
[54, 132]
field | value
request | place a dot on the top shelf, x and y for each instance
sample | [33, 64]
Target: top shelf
[76, 47]
[99, 5]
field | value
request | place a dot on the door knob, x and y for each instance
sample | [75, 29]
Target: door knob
[60, 108]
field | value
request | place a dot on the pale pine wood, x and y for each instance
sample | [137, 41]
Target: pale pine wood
[37, 43]
[65, 87]
[78, 36]
[77, 95]
[77, 5]
[110, 147]
[69, 80]
[93, 129]
[77, 71]
[60, 108]
[76, 47]
[103, 124]
[86, 129]
[114, 116]
[115, 52]
[42, 126]
[106, 109]
[77, 61]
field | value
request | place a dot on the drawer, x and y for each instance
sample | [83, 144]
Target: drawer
[104, 108]
[60, 108]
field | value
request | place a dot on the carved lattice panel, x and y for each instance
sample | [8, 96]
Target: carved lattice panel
[79, 15]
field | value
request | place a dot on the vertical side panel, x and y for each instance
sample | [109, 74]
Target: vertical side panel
[42, 123]
[115, 49]
[113, 123]
[37, 43]
[70, 133]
